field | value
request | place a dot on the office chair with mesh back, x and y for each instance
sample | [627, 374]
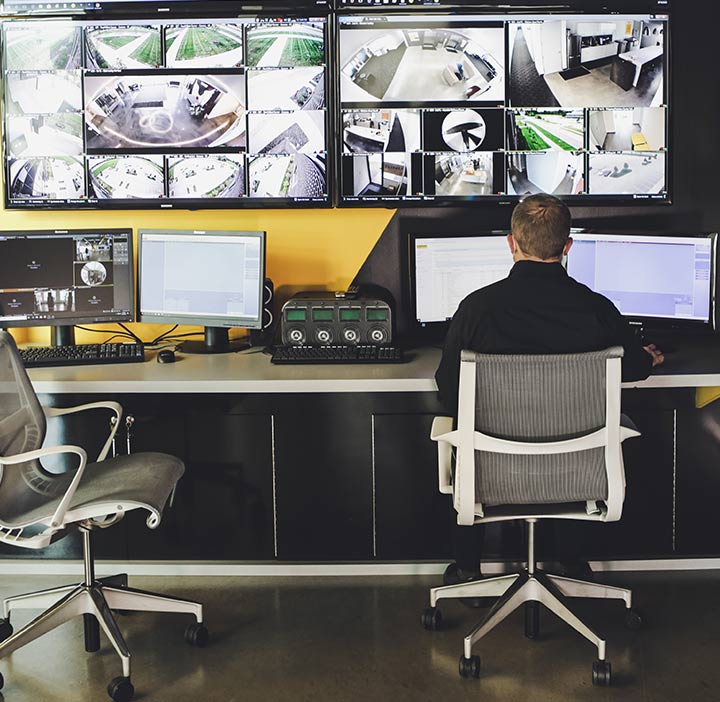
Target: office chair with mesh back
[538, 437]
[38, 507]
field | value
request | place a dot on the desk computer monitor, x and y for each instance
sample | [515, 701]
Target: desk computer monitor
[656, 280]
[211, 278]
[63, 278]
[445, 269]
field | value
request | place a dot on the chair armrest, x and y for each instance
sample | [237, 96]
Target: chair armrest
[441, 433]
[59, 515]
[103, 404]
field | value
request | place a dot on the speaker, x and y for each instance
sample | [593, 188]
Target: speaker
[264, 336]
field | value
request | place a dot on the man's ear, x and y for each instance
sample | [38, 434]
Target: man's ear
[568, 246]
[511, 243]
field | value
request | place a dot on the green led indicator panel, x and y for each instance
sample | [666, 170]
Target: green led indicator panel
[320, 314]
[296, 315]
[375, 314]
[349, 315]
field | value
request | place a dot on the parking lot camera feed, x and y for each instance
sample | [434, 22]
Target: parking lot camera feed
[165, 113]
[458, 107]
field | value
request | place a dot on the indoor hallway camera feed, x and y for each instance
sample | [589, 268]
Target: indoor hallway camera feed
[290, 44]
[630, 129]
[202, 176]
[626, 173]
[126, 177]
[125, 46]
[373, 131]
[164, 110]
[385, 175]
[545, 130]
[78, 277]
[132, 113]
[49, 178]
[464, 174]
[286, 133]
[45, 135]
[286, 89]
[408, 61]
[505, 104]
[608, 62]
[559, 173]
[295, 176]
[204, 46]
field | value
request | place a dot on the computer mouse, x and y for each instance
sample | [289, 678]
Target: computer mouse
[166, 356]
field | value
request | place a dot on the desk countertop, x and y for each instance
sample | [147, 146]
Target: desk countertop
[642, 56]
[696, 365]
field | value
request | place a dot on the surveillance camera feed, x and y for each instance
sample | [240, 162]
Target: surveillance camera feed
[173, 113]
[453, 108]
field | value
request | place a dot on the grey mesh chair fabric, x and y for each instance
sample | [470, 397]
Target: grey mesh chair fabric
[38, 506]
[537, 436]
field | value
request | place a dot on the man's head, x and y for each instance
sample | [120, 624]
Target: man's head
[540, 229]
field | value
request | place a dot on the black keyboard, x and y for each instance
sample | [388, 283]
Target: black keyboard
[338, 354]
[82, 355]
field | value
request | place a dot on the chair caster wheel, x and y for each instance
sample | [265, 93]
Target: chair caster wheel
[532, 620]
[633, 620]
[432, 619]
[121, 689]
[469, 667]
[602, 673]
[6, 630]
[2, 681]
[197, 635]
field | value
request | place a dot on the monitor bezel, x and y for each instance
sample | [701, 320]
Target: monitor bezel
[459, 8]
[263, 12]
[226, 323]
[662, 323]
[77, 321]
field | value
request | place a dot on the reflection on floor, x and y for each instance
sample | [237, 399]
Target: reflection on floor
[330, 639]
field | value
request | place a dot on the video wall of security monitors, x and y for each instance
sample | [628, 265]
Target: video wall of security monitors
[446, 108]
[179, 112]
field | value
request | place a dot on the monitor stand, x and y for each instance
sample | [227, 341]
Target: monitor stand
[62, 336]
[216, 340]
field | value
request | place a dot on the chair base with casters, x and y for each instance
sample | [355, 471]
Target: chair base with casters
[530, 588]
[95, 599]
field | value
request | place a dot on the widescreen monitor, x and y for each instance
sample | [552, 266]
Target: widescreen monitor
[214, 279]
[446, 269]
[162, 113]
[64, 278]
[657, 280]
[451, 106]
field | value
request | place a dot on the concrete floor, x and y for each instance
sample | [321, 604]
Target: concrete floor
[345, 639]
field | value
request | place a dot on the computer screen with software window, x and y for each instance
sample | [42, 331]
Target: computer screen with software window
[444, 270]
[654, 278]
[210, 278]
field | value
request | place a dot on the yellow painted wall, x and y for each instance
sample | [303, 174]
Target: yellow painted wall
[305, 248]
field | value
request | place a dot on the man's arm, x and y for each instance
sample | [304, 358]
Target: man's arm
[448, 372]
[637, 360]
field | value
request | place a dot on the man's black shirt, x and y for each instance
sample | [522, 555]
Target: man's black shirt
[538, 308]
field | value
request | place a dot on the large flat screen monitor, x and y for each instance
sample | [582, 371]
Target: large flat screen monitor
[63, 278]
[446, 269]
[491, 105]
[161, 113]
[214, 279]
[656, 280]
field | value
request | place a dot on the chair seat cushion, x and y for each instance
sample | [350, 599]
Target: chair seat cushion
[143, 480]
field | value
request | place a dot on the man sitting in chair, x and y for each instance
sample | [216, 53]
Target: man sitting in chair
[537, 309]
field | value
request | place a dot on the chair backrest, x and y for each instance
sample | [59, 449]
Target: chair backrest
[22, 428]
[531, 401]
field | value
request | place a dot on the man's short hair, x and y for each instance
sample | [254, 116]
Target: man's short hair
[541, 226]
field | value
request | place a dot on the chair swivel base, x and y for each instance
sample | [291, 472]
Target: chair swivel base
[519, 588]
[96, 600]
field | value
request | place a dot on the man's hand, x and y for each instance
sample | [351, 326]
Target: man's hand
[657, 355]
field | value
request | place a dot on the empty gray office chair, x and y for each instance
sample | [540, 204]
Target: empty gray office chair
[38, 507]
[537, 437]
